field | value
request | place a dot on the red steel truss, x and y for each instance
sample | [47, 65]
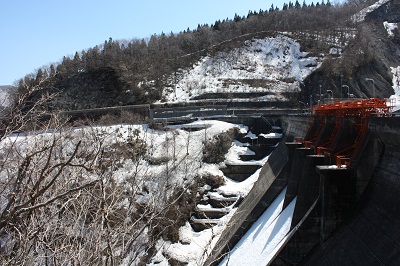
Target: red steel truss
[360, 111]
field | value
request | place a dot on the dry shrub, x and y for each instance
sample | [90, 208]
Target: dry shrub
[214, 151]
[131, 117]
[109, 120]
[157, 160]
[180, 208]
[214, 181]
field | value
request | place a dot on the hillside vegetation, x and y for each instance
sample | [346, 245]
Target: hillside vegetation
[121, 72]
[136, 194]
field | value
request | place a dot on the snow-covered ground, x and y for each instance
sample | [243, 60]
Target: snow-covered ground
[276, 63]
[396, 87]
[182, 151]
[194, 246]
[390, 27]
[264, 239]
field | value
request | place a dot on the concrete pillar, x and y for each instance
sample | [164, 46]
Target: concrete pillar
[338, 194]
[308, 190]
[294, 170]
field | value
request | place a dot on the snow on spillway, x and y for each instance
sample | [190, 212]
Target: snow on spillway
[264, 239]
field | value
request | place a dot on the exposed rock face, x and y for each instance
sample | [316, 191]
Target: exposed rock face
[370, 55]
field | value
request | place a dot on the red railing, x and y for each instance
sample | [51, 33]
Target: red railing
[359, 109]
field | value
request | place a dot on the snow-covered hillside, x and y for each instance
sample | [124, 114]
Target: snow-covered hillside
[271, 66]
[360, 16]
[140, 166]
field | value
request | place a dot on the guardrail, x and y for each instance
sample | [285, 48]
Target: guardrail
[174, 113]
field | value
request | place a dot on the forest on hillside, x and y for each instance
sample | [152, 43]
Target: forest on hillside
[116, 72]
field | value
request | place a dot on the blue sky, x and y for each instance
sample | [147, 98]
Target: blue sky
[35, 33]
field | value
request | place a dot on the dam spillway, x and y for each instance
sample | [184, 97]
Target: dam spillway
[343, 215]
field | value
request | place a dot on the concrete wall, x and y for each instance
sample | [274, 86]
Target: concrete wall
[342, 217]
[370, 233]
[335, 193]
[295, 126]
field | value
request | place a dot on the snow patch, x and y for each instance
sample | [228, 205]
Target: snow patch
[396, 87]
[276, 63]
[390, 27]
[360, 16]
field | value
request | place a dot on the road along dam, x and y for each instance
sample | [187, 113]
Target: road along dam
[335, 181]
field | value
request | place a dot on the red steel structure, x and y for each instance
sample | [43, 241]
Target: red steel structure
[357, 110]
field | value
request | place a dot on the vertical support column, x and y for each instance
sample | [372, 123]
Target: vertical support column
[297, 157]
[338, 195]
[309, 185]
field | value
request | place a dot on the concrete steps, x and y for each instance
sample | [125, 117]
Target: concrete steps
[214, 205]
[260, 152]
[239, 173]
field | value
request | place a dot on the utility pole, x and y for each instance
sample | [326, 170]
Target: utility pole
[320, 91]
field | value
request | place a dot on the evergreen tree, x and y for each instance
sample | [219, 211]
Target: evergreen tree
[297, 5]
[272, 8]
[52, 70]
[237, 18]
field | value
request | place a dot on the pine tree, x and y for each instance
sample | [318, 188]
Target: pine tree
[272, 8]
[237, 18]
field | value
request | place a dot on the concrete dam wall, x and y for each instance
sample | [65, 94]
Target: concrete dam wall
[342, 216]
[370, 234]
[346, 216]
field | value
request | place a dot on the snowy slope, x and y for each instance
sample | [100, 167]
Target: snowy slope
[276, 63]
[194, 246]
[182, 153]
[360, 16]
[390, 28]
